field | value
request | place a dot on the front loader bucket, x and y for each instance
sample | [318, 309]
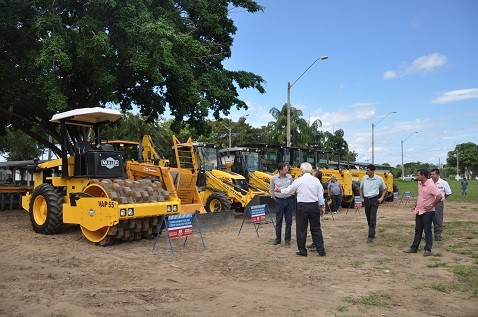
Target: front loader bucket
[262, 200]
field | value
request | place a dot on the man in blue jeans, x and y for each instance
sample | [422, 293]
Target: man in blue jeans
[283, 203]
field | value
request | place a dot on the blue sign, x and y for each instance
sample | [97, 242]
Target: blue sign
[180, 225]
[258, 213]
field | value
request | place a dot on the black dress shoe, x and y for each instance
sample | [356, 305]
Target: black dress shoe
[300, 253]
[276, 242]
[321, 253]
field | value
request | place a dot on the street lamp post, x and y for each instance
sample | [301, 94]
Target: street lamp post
[403, 167]
[289, 86]
[373, 137]
[230, 133]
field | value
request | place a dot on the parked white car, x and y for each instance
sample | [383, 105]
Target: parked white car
[410, 178]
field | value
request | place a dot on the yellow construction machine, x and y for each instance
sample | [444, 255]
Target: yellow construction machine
[148, 162]
[312, 155]
[358, 174]
[86, 186]
[217, 187]
[248, 162]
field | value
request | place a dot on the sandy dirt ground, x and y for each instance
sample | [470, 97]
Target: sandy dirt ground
[237, 275]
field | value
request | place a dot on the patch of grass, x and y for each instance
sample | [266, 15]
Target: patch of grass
[441, 287]
[357, 263]
[437, 264]
[454, 185]
[374, 299]
[342, 308]
[465, 231]
[382, 261]
[467, 279]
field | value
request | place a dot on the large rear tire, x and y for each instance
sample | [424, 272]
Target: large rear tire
[217, 202]
[46, 214]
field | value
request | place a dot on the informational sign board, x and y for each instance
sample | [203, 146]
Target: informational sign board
[258, 213]
[395, 197]
[407, 195]
[358, 202]
[180, 226]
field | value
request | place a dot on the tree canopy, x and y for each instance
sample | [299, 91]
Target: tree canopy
[153, 55]
[467, 158]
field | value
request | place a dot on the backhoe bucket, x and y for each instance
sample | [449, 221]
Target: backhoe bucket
[262, 200]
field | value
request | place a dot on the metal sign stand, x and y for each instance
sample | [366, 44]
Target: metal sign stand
[188, 220]
[257, 214]
[406, 196]
[357, 204]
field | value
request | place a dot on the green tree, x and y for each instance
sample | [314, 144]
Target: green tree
[467, 158]
[299, 127]
[18, 146]
[153, 55]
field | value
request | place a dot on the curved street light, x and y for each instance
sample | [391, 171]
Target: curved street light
[403, 167]
[373, 138]
[289, 86]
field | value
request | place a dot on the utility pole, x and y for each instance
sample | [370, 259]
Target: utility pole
[403, 167]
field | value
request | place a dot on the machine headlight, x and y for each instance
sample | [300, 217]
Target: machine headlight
[130, 211]
[175, 207]
[122, 212]
[169, 208]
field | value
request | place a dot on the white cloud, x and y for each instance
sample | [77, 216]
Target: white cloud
[390, 74]
[426, 63]
[420, 65]
[457, 95]
[352, 113]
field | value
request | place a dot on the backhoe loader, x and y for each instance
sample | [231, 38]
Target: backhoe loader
[248, 162]
[217, 187]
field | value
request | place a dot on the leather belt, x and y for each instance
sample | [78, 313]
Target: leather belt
[374, 197]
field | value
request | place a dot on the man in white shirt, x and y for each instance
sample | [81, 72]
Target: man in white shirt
[310, 206]
[372, 193]
[445, 191]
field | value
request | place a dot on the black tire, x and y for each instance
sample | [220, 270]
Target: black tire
[217, 202]
[3, 201]
[46, 214]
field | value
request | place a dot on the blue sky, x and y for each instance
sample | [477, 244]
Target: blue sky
[417, 58]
